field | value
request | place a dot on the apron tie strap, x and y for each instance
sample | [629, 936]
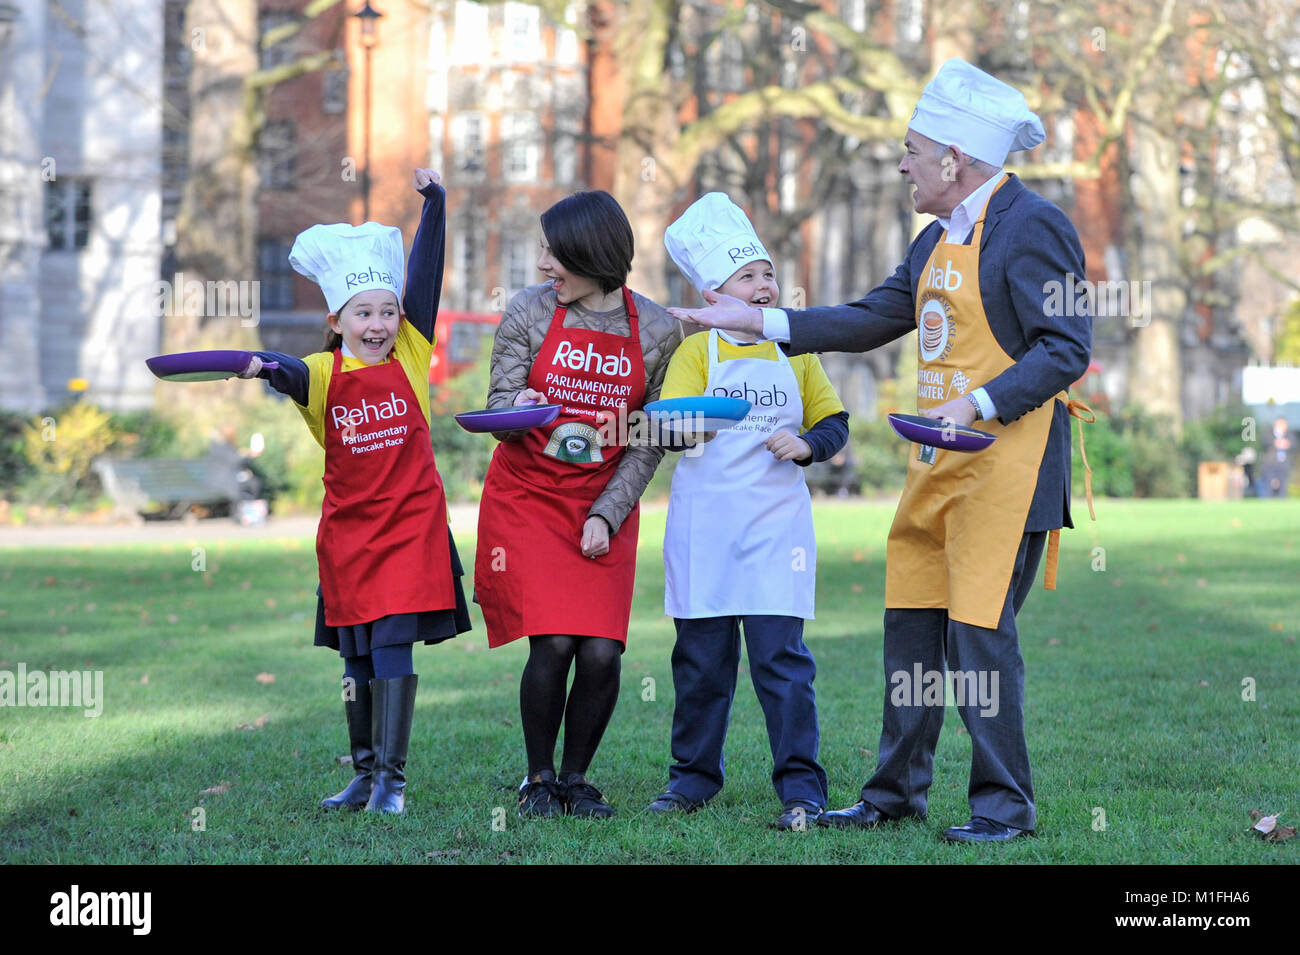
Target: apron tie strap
[1078, 409]
[1053, 552]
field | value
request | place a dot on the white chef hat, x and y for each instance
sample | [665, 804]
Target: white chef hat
[965, 107]
[346, 259]
[711, 240]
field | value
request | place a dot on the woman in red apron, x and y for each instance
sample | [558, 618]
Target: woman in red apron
[389, 571]
[558, 520]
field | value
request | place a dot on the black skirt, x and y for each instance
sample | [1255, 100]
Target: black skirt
[429, 626]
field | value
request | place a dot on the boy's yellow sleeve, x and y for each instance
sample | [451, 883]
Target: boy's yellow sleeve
[688, 369]
[819, 397]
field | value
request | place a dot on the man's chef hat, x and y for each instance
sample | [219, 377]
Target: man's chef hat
[965, 107]
[346, 259]
[711, 240]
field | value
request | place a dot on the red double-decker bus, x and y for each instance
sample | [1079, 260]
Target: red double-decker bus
[462, 336]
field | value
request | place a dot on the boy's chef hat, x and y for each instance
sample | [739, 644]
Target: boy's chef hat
[964, 106]
[711, 240]
[346, 259]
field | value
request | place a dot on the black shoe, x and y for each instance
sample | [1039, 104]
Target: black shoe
[981, 829]
[670, 802]
[583, 799]
[798, 818]
[392, 710]
[861, 815]
[540, 796]
[357, 793]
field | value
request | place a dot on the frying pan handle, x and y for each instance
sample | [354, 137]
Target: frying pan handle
[271, 365]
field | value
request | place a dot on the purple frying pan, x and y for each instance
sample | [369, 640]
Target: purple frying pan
[936, 434]
[508, 419]
[202, 365]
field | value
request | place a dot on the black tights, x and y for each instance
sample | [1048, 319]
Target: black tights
[590, 703]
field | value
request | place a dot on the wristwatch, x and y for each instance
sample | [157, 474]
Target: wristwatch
[970, 396]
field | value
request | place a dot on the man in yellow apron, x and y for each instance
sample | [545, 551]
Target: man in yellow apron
[978, 285]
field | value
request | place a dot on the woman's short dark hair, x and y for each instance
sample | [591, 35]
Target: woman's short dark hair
[590, 236]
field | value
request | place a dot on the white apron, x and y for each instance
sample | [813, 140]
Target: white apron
[740, 533]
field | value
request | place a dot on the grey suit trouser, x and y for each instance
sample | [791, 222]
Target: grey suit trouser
[919, 642]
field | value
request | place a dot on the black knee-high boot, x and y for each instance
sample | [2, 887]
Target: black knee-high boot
[392, 711]
[357, 793]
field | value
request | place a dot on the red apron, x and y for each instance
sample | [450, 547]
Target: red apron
[382, 541]
[529, 573]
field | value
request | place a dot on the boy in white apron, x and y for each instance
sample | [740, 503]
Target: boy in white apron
[739, 545]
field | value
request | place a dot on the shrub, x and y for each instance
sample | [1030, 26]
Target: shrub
[59, 447]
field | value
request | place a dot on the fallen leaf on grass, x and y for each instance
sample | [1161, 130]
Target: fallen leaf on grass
[216, 790]
[440, 853]
[1053, 642]
[172, 618]
[345, 760]
[1268, 828]
[270, 603]
[257, 724]
[1202, 683]
[73, 812]
[506, 855]
[856, 588]
[265, 678]
[144, 680]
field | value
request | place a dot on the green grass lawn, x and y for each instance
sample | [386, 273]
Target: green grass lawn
[1135, 710]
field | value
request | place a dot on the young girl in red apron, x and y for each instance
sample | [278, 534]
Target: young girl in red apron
[389, 571]
[558, 519]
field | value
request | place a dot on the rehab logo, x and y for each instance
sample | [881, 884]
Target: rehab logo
[592, 361]
[773, 397]
[343, 416]
[74, 907]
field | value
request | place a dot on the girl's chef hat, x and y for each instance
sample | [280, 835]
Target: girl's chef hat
[346, 259]
[966, 107]
[711, 240]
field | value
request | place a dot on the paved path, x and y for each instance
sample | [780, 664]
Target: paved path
[463, 519]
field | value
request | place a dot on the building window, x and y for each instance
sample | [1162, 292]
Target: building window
[471, 44]
[275, 273]
[334, 91]
[523, 37]
[568, 129]
[467, 137]
[519, 264]
[520, 135]
[67, 213]
[275, 155]
[282, 52]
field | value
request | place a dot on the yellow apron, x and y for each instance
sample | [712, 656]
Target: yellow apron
[959, 523]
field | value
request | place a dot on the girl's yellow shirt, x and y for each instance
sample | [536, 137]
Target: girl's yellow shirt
[411, 349]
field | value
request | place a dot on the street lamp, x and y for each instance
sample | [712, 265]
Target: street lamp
[369, 18]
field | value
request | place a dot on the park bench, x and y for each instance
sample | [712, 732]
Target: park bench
[168, 487]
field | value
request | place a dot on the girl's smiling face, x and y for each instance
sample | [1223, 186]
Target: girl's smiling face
[368, 324]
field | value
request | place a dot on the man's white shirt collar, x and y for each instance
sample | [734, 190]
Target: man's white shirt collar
[962, 222]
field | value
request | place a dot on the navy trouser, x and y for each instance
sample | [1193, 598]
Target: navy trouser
[1000, 784]
[705, 662]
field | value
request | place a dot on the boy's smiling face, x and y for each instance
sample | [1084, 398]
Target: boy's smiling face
[754, 283]
[368, 324]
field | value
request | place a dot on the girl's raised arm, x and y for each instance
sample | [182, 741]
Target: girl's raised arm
[424, 267]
